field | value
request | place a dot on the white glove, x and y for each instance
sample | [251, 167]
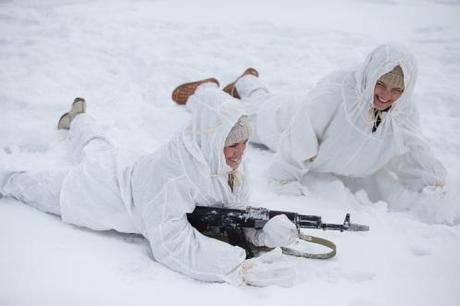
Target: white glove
[291, 188]
[437, 205]
[434, 190]
[278, 231]
[268, 269]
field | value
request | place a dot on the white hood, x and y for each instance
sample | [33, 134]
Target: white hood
[213, 116]
[358, 92]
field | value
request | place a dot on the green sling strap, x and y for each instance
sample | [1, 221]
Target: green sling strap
[312, 239]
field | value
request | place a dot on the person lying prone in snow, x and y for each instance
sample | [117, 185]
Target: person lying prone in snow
[361, 125]
[114, 189]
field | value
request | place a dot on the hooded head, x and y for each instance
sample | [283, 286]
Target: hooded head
[388, 89]
[235, 143]
[217, 121]
[388, 64]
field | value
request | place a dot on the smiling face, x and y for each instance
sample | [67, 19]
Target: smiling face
[386, 94]
[234, 153]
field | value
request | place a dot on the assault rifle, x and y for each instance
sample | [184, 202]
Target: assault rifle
[232, 221]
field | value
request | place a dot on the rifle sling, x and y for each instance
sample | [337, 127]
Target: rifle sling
[321, 241]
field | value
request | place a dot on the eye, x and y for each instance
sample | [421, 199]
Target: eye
[381, 84]
[397, 90]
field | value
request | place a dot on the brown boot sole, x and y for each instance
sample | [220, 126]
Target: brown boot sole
[182, 92]
[231, 89]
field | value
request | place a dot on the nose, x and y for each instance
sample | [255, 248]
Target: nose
[385, 94]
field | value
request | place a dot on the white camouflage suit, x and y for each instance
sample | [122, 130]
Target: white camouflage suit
[329, 130]
[114, 189]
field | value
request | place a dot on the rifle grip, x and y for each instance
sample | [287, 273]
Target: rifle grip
[237, 237]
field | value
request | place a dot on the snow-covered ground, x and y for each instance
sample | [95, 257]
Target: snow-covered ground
[125, 57]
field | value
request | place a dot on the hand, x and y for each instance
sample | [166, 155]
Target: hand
[291, 188]
[268, 269]
[278, 231]
[432, 190]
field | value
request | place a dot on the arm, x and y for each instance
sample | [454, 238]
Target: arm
[180, 247]
[278, 231]
[418, 167]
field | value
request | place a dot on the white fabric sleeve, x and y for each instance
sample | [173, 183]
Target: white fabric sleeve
[269, 269]
[180, 247]
[418, 167]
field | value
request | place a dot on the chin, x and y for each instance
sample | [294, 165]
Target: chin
[234, 166]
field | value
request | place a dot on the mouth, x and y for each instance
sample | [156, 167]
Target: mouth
[381, 101]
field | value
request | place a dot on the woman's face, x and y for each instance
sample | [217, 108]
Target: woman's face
[234, 153]
[385, 95]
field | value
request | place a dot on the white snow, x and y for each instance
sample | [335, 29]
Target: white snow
[125, 57]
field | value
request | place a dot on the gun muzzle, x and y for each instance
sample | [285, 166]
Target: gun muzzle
[358, 228]
[348, 226]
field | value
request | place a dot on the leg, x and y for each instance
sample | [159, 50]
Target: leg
[231, 88]
[250, 87]
[269, 113]
[40, 190]
[87, 138]
[253, 93]
[84, 134]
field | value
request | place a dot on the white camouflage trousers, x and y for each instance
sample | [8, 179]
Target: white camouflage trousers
[41, 189]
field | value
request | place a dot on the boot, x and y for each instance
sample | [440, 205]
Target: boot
[78, 107]
[182, 92]
[231, 89]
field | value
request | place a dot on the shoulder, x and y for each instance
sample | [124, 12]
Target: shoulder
[153, 171]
